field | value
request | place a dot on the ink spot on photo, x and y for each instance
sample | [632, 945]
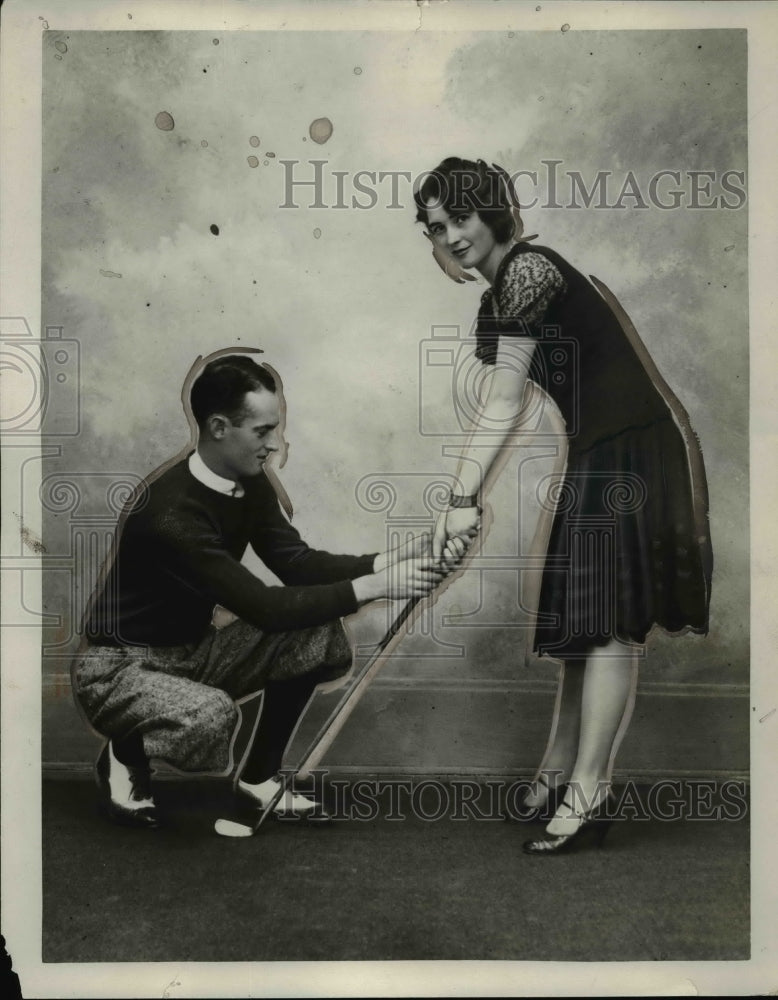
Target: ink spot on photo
[321, 129]
[29, 538]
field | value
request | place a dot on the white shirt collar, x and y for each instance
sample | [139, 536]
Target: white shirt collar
[208, 477]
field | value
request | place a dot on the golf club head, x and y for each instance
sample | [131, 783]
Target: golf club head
[229, 828]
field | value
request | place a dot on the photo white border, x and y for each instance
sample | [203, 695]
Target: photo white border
[20, 212]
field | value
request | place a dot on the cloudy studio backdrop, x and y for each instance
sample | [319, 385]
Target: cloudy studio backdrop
[183, 213]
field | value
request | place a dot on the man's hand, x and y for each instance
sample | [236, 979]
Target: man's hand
[414, 548]
[222, 617]
[400, 581]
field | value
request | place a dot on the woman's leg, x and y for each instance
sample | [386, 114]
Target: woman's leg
[560, 754]
[607, 701]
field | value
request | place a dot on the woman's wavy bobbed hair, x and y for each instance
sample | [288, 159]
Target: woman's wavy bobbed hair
[471, 185]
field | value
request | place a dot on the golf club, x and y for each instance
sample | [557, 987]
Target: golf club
[327, 732]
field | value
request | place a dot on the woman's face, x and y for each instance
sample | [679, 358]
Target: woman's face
[464, 235]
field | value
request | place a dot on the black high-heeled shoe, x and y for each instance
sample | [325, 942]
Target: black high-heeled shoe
[593, 827]
[544, 810]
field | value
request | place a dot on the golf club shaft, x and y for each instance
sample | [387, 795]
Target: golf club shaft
[340, 713]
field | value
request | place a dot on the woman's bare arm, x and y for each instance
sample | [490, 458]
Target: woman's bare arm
[496, 420]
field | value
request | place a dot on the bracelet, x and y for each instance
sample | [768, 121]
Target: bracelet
[455, 501]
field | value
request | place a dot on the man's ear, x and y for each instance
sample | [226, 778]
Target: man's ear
[217, 425]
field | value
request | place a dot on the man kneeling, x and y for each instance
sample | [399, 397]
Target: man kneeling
[158, 678]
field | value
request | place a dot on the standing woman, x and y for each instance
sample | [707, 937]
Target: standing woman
[629, 545]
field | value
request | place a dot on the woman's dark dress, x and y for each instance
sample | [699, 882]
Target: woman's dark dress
[630, 544]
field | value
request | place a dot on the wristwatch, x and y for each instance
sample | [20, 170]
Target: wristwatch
[455, 500]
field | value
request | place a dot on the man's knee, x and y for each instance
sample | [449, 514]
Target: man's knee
[322, 652]
[339, 655]
[214, 715]
[201, 738]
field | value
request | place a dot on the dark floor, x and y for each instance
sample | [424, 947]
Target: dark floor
[380, 889]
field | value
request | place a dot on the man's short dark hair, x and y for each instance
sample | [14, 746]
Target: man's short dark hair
[222, 385]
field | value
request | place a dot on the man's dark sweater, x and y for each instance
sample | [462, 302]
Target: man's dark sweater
[179, 555]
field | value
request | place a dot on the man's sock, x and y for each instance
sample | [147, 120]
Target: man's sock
[129, 750]
[282, 705]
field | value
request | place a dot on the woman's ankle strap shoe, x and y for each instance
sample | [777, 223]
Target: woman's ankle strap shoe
[593, 828]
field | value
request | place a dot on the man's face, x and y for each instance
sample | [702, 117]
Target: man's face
[245, 445]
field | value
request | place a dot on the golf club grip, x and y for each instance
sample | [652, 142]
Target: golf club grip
[338, 716]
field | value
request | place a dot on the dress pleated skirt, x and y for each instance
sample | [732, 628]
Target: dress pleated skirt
[629, 546]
